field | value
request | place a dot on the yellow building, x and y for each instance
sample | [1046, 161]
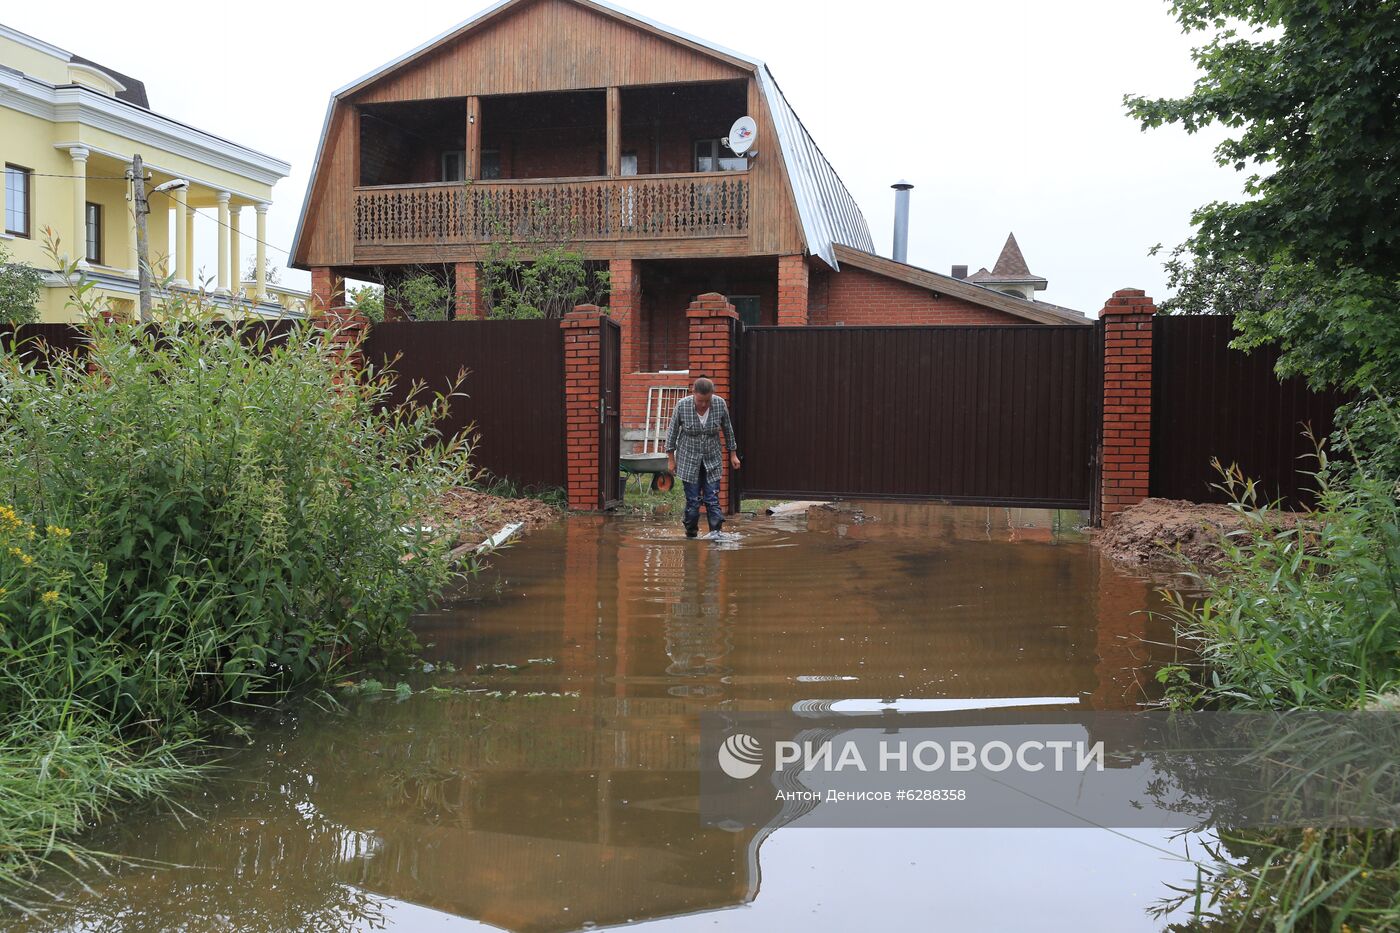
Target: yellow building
[68, 131]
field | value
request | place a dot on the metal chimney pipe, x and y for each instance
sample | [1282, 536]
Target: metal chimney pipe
[901, 220]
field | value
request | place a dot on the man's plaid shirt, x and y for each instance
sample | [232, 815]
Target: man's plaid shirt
[694, 443]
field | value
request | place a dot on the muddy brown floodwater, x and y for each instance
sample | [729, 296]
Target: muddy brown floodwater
[562, 793]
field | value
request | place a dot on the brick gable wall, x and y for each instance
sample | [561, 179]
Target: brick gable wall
[856, 297]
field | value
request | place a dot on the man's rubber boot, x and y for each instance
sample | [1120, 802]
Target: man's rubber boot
[692, 531]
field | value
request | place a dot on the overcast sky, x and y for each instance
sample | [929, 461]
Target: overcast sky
[1006, 114]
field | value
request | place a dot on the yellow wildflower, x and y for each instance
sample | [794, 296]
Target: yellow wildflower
[23, 557]
[50, 597]
[3, 592]
[57, 532]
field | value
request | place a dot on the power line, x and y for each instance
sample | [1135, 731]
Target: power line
[215, 220]
[193, 210]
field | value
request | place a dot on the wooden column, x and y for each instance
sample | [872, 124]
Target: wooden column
[473, 160]
[614, 131]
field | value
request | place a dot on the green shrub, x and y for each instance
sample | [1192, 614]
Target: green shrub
[192, 518]
[20, 287]
[1299, 616]
[1302, 615]
[424, 296]
[215, 518]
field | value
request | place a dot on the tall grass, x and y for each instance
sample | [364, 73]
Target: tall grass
[1298, 616]
[193, 519]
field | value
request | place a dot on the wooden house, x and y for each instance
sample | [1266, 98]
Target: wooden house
[544, 121]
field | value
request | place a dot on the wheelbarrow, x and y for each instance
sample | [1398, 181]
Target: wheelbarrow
[651, 459]
[653, 463]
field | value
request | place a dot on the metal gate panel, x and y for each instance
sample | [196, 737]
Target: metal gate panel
[1212, 402]
[976, 415]
[610, 478]
[512, 396]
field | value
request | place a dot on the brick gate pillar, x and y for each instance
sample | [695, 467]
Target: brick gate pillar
[711, 318]
[583, 387]
[467, 286]
[1127, 400]
[793, 285]
[624, 307]
[327, 289]
[346, 329]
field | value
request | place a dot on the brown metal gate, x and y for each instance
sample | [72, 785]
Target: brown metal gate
[512, 397]
[610, 480]
[974, 415]
[1211, 402]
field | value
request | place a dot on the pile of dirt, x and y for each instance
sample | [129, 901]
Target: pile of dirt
[477, 515]
[1158, 530]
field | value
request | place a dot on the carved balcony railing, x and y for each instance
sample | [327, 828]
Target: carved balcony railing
[634, 207]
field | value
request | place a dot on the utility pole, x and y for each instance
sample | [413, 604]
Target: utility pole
[141, 207]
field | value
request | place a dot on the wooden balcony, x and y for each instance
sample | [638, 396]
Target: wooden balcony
[564, 210]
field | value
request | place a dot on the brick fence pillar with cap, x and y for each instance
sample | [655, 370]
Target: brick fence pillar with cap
[583, 388]
[711, 318]
[1125, 470]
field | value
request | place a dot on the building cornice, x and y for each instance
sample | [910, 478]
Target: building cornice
[89, 107]
[38, 45]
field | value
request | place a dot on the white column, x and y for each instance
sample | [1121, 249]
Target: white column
[79, 155]
[193, 278]
[260, 255]
[223, 280]
[182, 236]
[234, 238]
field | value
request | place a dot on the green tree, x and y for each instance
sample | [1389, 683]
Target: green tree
[369, 301]
[20, 287]
[424, 296]
[1309, 91]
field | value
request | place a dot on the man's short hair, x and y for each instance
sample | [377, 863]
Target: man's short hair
[704, 386]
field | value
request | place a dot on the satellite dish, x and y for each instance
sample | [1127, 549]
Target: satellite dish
[742, 135]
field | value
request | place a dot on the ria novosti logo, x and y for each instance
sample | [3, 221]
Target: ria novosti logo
[740, 756]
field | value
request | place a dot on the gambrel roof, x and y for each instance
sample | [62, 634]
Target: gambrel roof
[828, 213]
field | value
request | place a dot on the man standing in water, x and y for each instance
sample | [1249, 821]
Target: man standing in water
[693, 452]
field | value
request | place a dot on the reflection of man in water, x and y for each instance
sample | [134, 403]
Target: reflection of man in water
[693, 452]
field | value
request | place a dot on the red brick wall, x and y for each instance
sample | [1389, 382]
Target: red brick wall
[582, 389]
[856, 296]
[468, 289]
[668, 289]
[793, 289]
[623, 305]
[710, 317]
[563, 152]
[327, 288]
[1127, 400]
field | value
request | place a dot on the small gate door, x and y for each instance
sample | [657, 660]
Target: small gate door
[610, 415]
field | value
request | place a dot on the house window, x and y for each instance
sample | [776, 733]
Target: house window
[749, 308]
[454, 166]
[490, 164]
[93, 225]
[628, 160]
[713, 156]
[18, 200]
